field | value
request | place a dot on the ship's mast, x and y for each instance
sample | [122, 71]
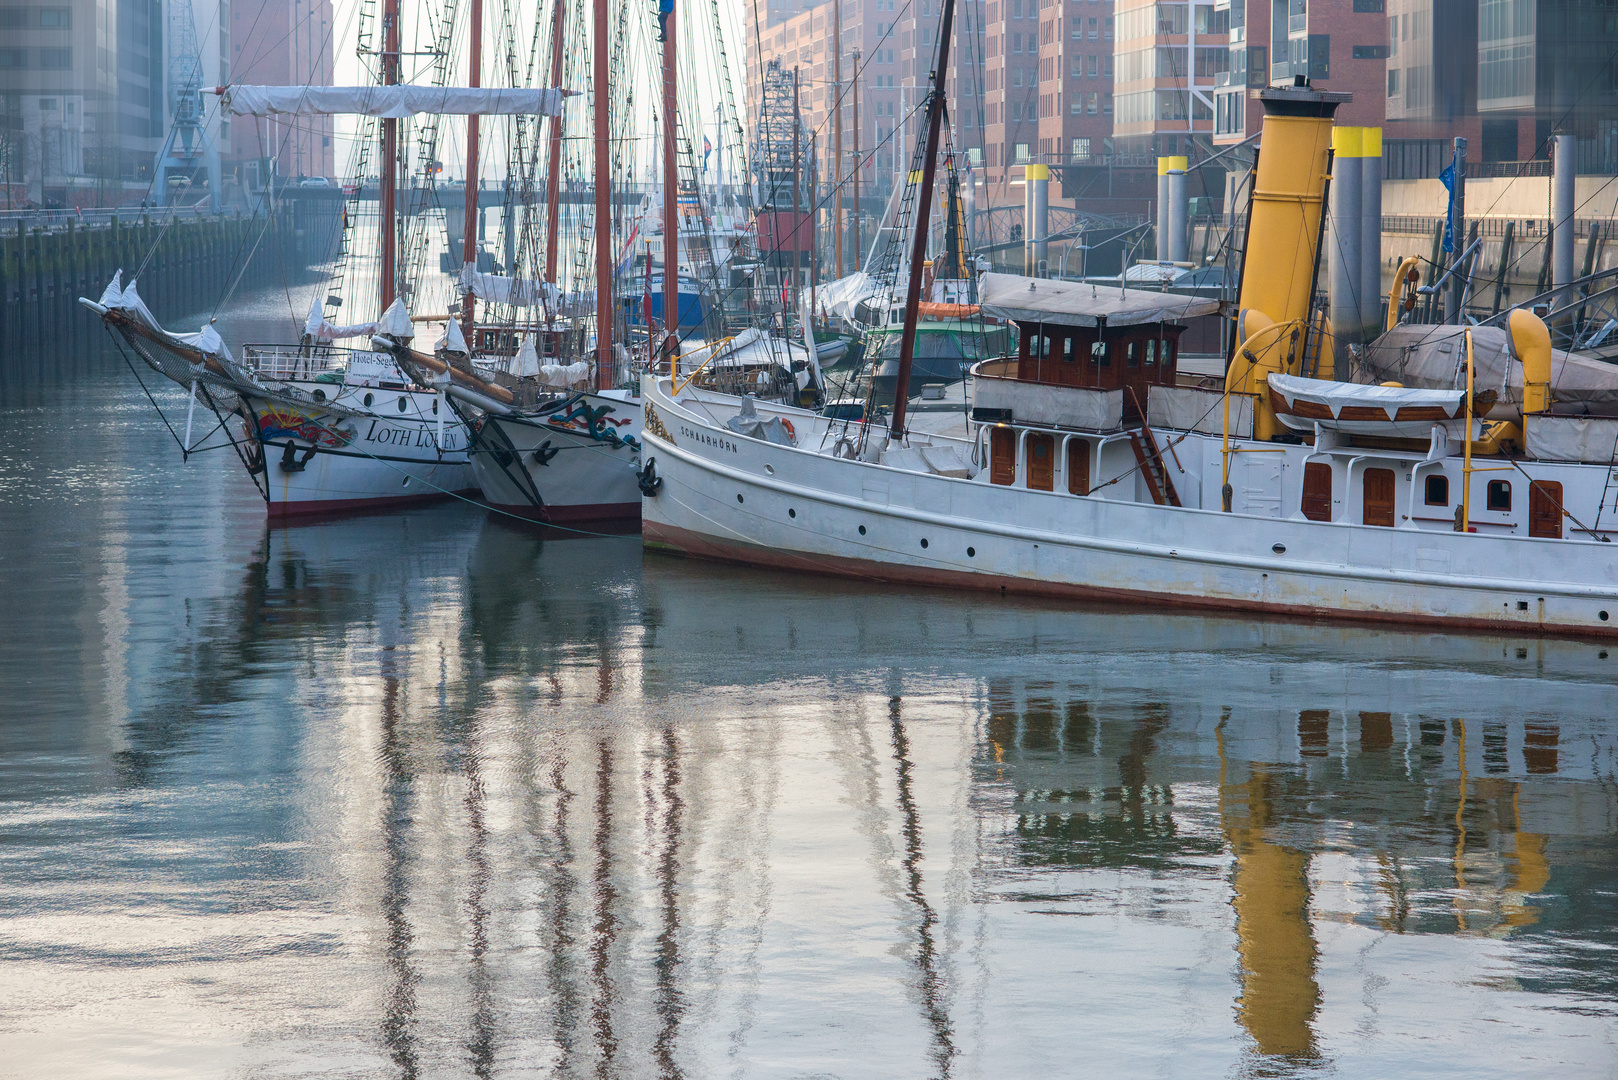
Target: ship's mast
[553, 178]
[671, 201]
[603, 208]
[924, 212]
[390, 154]
[469, 247]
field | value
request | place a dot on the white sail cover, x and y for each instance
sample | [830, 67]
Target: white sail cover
[521, 292]
[518, 292]
[317, 328]
[527, 362]
[452, 339]
[394, 102]
[120, 297]
[396, 322]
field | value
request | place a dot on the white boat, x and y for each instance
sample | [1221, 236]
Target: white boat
[1096, 474]
[575, 458]
[321, 429]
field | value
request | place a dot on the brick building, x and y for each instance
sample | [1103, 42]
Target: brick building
[281, 43]
[1336, 44]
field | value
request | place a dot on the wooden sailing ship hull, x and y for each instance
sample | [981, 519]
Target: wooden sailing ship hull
[729, 497]
[565, 466]
[317, 462]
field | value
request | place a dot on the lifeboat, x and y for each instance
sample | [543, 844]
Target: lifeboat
[1357, 409]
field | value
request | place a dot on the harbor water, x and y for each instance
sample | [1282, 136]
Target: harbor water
[430, 793]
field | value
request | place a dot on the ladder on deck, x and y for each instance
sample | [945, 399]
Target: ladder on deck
[1150, 458]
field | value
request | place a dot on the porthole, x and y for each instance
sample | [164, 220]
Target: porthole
[403, 404]
[368, 400]
[319, 395]
[924, 541]
[770, 469]
[792, 513]
[1279, 549]
[435, 406]
[1602, 616]
[406, 482]
[862, 530]
[739, 497]
[971, 553]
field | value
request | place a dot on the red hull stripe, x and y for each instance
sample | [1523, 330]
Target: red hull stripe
[629, 511]
[339, 506]
[681, 541]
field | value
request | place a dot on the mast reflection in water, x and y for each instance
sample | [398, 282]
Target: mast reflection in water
[426, 795]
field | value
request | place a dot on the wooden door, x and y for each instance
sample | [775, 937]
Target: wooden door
[1002, 455]
[1078, 467]
[1041, 461]
[1545, 509]
[1379, 497]
[1317, 491]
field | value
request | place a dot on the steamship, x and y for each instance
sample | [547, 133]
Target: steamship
[1097, 470]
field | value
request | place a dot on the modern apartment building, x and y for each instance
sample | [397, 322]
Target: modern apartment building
[1169, 56]
[1544, 64]
[284, 43]
[1335, 44]
[78, 111]
[888, 48]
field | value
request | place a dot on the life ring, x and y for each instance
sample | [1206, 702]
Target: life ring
[790, 431]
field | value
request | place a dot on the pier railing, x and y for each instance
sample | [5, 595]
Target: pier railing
[286, 362]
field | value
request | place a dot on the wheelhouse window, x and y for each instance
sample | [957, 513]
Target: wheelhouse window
[1499, 495]
[1438, 491]
[1132, 356]
[1098, 354]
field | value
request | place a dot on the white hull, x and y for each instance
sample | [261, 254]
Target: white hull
[553, 468]
[731, 497]
[343, 462]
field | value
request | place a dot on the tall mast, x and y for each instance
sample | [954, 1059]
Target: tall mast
[919, 223]
[797, 199]
[837, 126]
[553, 178]
[671, 202]
[603, 211]
[469, 247]
[859, 165]
[390, 153]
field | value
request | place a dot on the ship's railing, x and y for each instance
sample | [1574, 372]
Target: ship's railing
[285, 362]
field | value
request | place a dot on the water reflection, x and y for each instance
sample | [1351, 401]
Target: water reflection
[428, 794]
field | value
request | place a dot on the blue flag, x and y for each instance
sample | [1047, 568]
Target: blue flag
[707, 149]
[1447, 178]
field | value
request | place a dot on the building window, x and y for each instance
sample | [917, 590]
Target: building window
[1438, 491]
[1093, 66]
[1074, 106]
[1081, 149]
[56, 18]
[1020, 155]
[1368, 7]
[1370, 52]
[1320, 56]
[1500, 495]
[13, 16]
[1092, 103]
[1016, 43]
[55, 59]
[1094, 32]
[13, 58]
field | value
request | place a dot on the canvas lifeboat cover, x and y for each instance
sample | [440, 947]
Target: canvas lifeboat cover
[1357, 409]
[1435, 356]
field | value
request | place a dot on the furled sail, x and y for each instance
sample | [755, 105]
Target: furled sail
[395, 101]
[521, 292]
[318, 328]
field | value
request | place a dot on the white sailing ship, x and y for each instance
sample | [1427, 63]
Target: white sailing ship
[323, 428]
[1097, 472]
